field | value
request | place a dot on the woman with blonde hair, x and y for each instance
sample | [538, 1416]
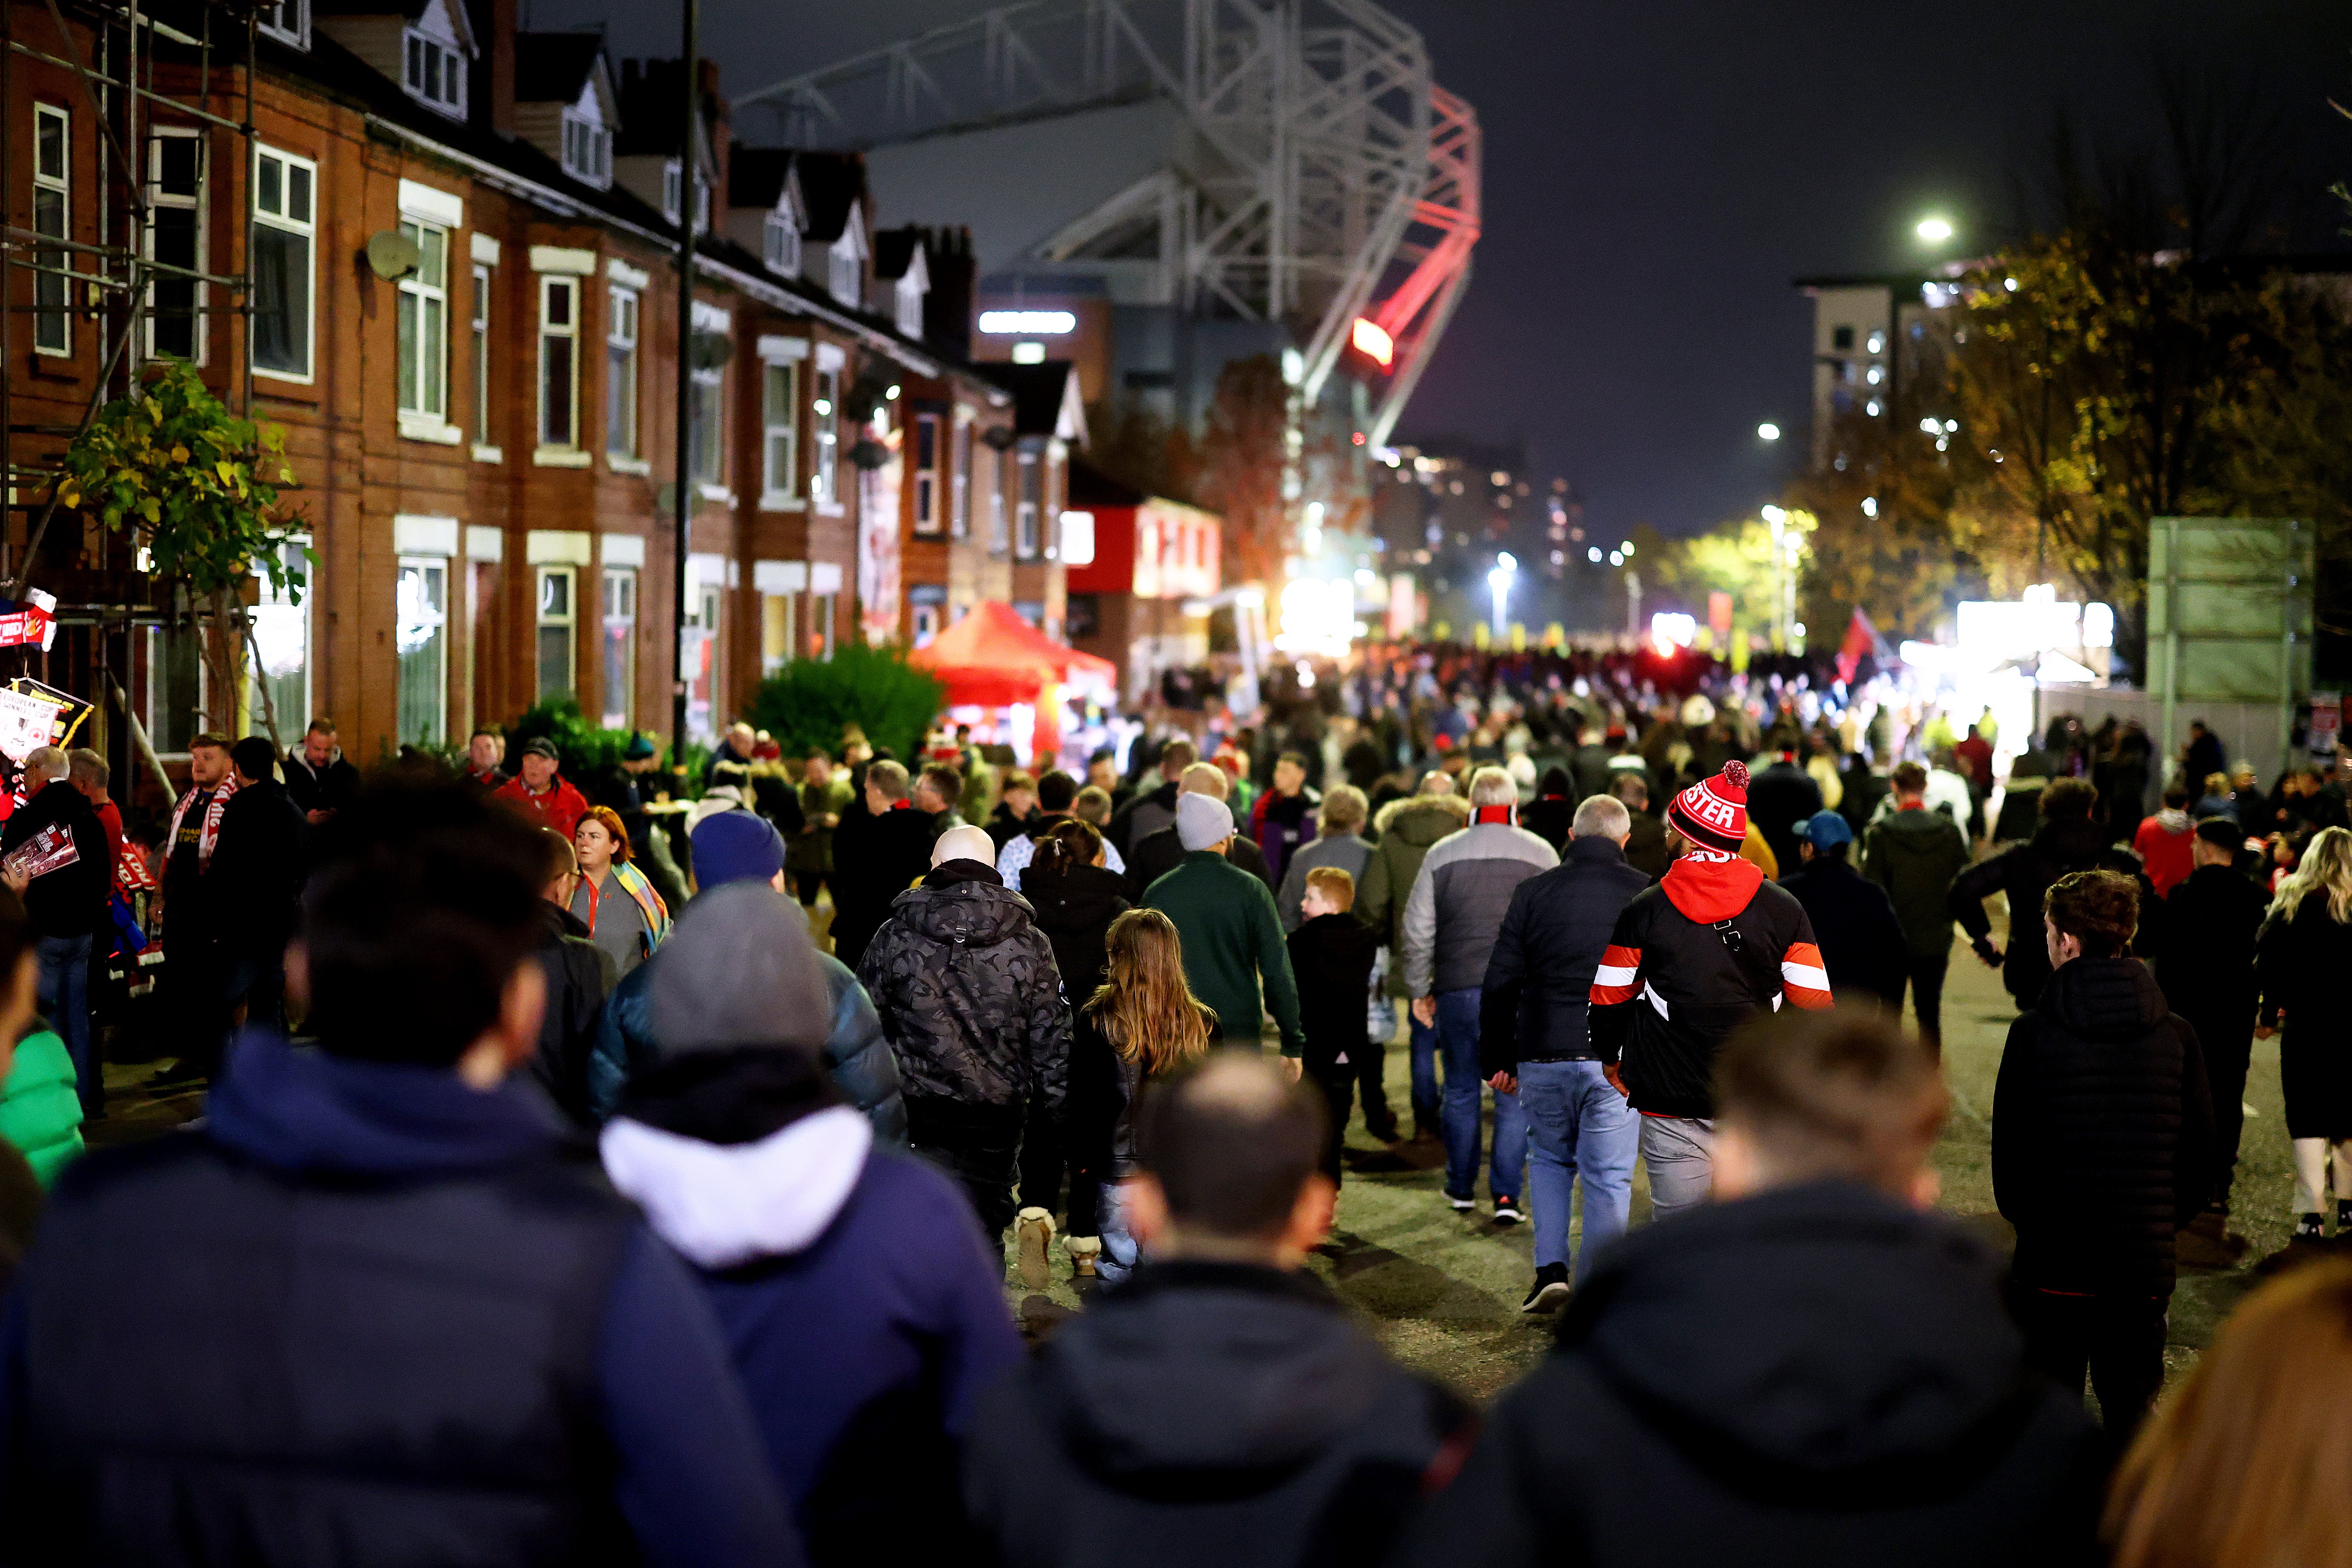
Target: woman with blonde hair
[2304, 952]
[1147, 1019]
[2249, 1464]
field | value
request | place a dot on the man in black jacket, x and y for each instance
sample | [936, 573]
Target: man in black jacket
[2205, 962]
[319, 780]
[1814, 1369]
[256, 881]
[1157, 853]
[1853, 922]
[1219, 1405]
[1915, 854]
[1781, 798]
[578, 975]
[58, 858]
[430, 1333]
[882, 845]
[2067, 841]
[2101, 1147]
[971, 1001]
[1534, 1041]
[1149, 810]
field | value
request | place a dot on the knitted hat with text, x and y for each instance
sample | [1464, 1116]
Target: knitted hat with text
[1713, 812]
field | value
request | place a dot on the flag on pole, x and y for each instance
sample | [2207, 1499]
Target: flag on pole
[1861, 637]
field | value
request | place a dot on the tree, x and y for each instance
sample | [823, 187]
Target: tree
[198, 489]
[1243, 458]
[1141, 449]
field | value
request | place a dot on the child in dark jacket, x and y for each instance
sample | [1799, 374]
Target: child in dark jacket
[1331, 954]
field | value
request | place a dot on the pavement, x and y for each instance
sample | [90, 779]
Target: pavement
[1441, 1290]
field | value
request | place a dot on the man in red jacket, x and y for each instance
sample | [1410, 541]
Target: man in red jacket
[1691, 959]
[542, 793]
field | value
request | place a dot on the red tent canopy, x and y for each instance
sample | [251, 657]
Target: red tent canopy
[993, 658]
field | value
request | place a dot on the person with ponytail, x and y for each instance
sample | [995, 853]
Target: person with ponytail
[1145, 1020]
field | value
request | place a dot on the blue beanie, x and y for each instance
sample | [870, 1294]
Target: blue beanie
[735, 846]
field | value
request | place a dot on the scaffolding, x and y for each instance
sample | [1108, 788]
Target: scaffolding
[127, 263]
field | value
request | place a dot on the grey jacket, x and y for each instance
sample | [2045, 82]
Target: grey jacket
[1346, 851]
[1458, 901]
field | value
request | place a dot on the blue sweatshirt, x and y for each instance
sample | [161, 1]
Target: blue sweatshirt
[691, 1479]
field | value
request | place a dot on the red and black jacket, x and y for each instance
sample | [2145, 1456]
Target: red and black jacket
[1692, 958]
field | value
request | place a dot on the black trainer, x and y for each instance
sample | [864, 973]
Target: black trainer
[1551, 1290]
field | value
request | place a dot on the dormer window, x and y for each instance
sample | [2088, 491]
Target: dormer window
[843, 271]
[671, 183]
[436, 73]
[587, 150]
[780, 245]
[288, 21]
[909, 300]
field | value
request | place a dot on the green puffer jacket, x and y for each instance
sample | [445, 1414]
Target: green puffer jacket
[1407, 828]
[40, 1112]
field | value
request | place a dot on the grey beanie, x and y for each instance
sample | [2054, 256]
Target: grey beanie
[1203, 821]
[739, 969]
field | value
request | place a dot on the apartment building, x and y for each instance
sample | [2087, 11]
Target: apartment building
[465, 313]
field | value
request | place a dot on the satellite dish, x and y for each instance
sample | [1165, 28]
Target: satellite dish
[710, 351]
[1000, 437]
[393, 256]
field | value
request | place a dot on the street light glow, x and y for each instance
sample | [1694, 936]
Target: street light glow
[1935, 230]
[1768, 431]
[1774, 514]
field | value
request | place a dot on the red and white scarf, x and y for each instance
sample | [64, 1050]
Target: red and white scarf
[208, 835]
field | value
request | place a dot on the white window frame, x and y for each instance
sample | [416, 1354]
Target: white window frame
[159, 199]
[618, 607]
[960, 479]
[845, 271]
[999, 532]
[479, 324]
[780, 240]
[587, 150]
[1028, 513]
[551, 284]
[274, 599]
[543, 619]
[425, 563]
[780, 432]
[928, 492]
[307, 230]
[427, 59]
[673, 177]
[53, 326]
[272, 20]
[825, 439]
[622, 329]
[428, 414]
[713, 483]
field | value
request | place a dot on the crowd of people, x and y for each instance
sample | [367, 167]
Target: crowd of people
[585, 1177]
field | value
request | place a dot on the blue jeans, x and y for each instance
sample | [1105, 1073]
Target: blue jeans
[65, 998]
[1579, 1127]
[1457, 1040]
[1420, 1048]
[1119, 1251]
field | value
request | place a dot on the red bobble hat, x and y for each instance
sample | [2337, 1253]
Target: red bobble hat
[1713, 812]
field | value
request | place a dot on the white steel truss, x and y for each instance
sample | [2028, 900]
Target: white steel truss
[1322, 159]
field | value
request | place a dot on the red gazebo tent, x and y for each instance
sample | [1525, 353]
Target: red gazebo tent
[993, 659]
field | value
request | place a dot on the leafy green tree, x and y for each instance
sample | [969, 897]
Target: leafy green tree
[198, 489]
[805, 705]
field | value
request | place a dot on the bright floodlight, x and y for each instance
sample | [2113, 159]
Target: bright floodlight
[1768, 431]
[1506, 561]
[1775, 514]
[1372, 342]
[1935, 230]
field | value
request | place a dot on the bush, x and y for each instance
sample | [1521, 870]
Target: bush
[804, 705]
[583, 749]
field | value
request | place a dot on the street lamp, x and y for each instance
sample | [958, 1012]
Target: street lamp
[1933, 230]
[1499, 580]
[1768, 431]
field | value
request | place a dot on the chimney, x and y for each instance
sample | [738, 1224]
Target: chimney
[722, 136]
[494, 82]
[947, 308]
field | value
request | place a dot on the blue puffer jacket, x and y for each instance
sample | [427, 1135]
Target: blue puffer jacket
[855, 1052]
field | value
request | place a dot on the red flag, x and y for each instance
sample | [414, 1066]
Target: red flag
[1861, 637]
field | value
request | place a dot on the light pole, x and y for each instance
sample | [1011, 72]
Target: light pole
[1499, 580]
[688, 67]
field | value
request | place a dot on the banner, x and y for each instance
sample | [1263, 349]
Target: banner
[30, 623]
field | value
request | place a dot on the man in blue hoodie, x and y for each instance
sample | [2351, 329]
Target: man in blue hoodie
[372, 1309]
[865, 1312]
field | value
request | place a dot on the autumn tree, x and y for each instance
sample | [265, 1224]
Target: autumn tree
[1243, 458]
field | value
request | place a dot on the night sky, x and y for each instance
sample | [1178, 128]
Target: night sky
[1655, 175]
